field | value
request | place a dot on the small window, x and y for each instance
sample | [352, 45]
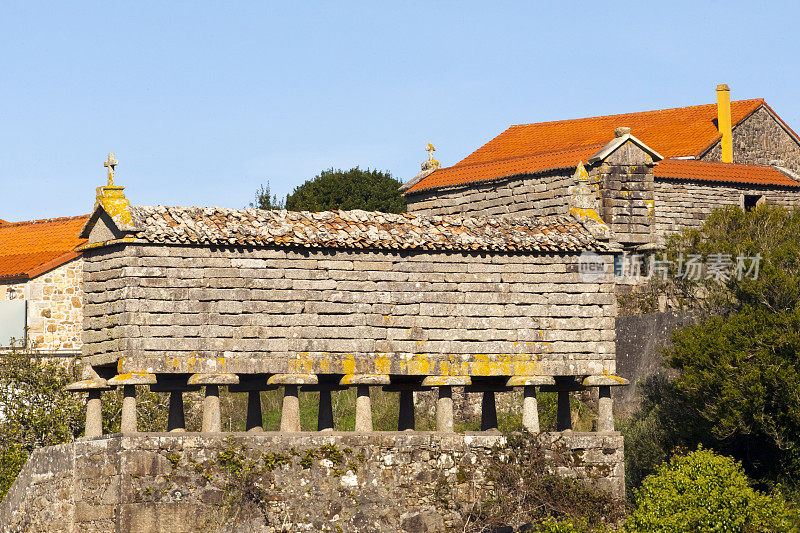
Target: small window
[751, 201]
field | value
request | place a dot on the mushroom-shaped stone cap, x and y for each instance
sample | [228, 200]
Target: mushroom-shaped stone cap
[446, 381]
[293, 379]
[530, 381]
[364, 379]
[213, 379]
[605, 380]
[133, 378]
[87, 385]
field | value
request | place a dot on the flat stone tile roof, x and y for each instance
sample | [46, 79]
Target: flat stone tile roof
[359, 229]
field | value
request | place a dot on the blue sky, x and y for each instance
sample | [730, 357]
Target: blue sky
[204, 101]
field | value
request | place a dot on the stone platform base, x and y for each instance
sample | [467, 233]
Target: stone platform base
[383, 481]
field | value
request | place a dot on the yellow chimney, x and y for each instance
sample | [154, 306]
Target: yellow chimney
[724, 122]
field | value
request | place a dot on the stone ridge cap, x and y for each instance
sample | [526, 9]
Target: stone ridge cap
[324, 215]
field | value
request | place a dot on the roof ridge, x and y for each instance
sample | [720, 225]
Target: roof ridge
[467, 165]
[42, 221]
[702, 161]
[631, 113]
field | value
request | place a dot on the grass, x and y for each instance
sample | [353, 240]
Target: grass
[385, 407]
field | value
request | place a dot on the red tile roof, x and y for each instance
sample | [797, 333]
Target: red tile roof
[722, 172]
[28, 249]
[684, 131]
[477, 172]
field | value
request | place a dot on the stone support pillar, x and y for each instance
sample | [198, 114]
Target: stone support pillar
[176, 420]
[530, 405]
[444, 403]
[94, 385]
[530, 410]
[211, 408]
[128, 383]
[363, 401]
[290, 413]
[605, 419]
[444, 410]
[128, 423]
[605, 409]
[405, 419]
[254, 416]
[363, 409]
[94, 415]
[488, 411]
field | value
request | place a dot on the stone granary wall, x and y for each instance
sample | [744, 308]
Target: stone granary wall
[163, 306]
[411, 482]
[761, 139]
[55, 307]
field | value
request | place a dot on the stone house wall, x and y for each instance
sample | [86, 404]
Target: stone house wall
[198, 309]
[529, 195]
[683, 204]
[382, 482]
[758, 140]
[55, 307]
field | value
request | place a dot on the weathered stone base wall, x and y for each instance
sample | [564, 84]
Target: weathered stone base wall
[681, 204]
[306, 482]
[55, 307]
[531, 195]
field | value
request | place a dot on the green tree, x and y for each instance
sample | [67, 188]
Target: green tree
[370, 190]
[266, 200]
[35, 410]
[737, 388]
[702, 491]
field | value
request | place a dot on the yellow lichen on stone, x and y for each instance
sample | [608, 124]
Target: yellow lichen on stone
[650, 208]
[349, 364]
[579, 213]
[382, 364]
[419, 365]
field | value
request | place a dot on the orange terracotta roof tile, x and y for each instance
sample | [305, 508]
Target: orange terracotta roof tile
[460, 174]
[683, 169]
[3, 222]
[28, 249]
[684, 131]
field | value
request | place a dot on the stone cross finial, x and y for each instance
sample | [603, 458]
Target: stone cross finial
[430, 149]
[110, 164]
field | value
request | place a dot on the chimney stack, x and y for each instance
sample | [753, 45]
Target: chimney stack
[724, 122]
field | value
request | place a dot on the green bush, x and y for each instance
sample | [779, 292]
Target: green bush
[702, 491]
[370, 190]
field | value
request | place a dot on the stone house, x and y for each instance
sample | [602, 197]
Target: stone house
[645, 174]
[41, 275]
